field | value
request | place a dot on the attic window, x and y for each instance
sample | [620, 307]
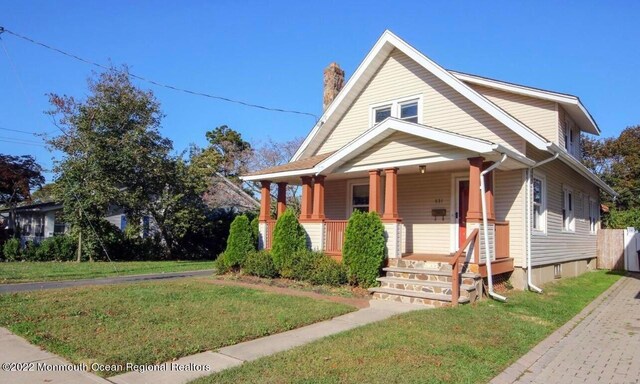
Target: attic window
[409, 111]
[382, 113]
[407, 108]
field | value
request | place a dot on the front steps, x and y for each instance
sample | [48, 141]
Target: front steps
[426, 283]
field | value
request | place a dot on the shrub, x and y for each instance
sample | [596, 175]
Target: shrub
[220, 266]
[239, 244]
[328, 272]
[260, 264]
[58, 248]
[304, 264]
[288, 238]
[11, 249]
[255, 231]
[364, 248]
[30, 251]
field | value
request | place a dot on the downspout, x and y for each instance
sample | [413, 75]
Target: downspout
[485, 224]
[529, 228]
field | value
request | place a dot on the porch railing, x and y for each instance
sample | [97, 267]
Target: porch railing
[455, 265]
[334, 236]
[502, 239]
[271, 225]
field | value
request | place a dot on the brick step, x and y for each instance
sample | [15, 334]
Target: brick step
[422, 285]
[415, 297]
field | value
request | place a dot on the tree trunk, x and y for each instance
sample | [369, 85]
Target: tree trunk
[79, 246]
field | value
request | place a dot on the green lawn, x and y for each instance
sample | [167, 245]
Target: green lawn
[20, 272]
[146, 323]
[451, 345]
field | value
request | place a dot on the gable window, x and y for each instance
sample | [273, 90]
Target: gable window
[408, 109]
[539, 205]
[382, 113]
[360, 197]
[568, 218]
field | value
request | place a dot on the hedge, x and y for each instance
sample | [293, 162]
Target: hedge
[239, 244]
[260, 264]
[11, 249]
[364, 248]
[288, 238]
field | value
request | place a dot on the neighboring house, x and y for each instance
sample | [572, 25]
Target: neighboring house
[38, 221]
[42, 220]
[410, 139]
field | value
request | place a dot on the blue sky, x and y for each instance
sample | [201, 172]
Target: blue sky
[273, 53]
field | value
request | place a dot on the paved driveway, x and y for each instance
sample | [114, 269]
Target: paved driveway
[22, 287]
[599, 345]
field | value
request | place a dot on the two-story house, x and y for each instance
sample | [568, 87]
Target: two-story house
[438, 154]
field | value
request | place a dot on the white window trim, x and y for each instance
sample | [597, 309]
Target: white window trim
[350, 185]
[543, 206]
[395, 108]
[572, 216]
[593, 206]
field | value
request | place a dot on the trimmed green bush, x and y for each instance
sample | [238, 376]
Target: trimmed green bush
[260, 264]
[29, 253]
[239, 243]
[57, 248]
[288, 238]
[364, 248]
[304, 264]
[255, 231]
[328, 272]
[11, 249]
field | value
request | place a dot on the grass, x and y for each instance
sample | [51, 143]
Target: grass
[20, 272]
[467, 344]
[146, 323]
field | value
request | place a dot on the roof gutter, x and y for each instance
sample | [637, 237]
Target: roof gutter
[485, 226]
[528, 216]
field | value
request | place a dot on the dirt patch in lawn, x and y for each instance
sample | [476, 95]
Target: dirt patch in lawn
[359, 300]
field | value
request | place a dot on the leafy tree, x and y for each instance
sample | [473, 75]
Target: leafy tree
[44, 194]
[231, 151]
[18, 175]
[364, 248]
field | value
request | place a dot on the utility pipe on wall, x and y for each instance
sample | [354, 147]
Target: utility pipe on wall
[485, 224]
[530, 284]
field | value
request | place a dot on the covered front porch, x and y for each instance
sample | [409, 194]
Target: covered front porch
[424, 182]
[428, 211]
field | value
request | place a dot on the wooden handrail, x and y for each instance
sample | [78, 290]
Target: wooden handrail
[455, 267]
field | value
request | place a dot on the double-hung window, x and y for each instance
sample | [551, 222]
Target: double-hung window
[539, 204]
[407, 109]
[360, 197]
[568, 218]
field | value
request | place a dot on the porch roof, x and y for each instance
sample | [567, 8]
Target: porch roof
[327, 163]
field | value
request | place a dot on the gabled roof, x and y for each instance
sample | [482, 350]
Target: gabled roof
[328, 162]
[570, 103]
[368, 68]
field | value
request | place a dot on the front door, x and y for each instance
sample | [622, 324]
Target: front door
[463, 207]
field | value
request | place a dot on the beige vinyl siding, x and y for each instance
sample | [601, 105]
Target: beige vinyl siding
[418, 194]
[335, 199]
[442, 106]
[539, 115]
[557, 246]
[510, 206]
[403, 146]
[561, 120]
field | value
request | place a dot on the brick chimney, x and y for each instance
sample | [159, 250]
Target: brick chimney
[333, 83]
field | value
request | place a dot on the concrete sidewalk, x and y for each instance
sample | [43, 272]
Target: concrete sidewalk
[599, 345]
[39, 286]
[14, 349]
[32, 364]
